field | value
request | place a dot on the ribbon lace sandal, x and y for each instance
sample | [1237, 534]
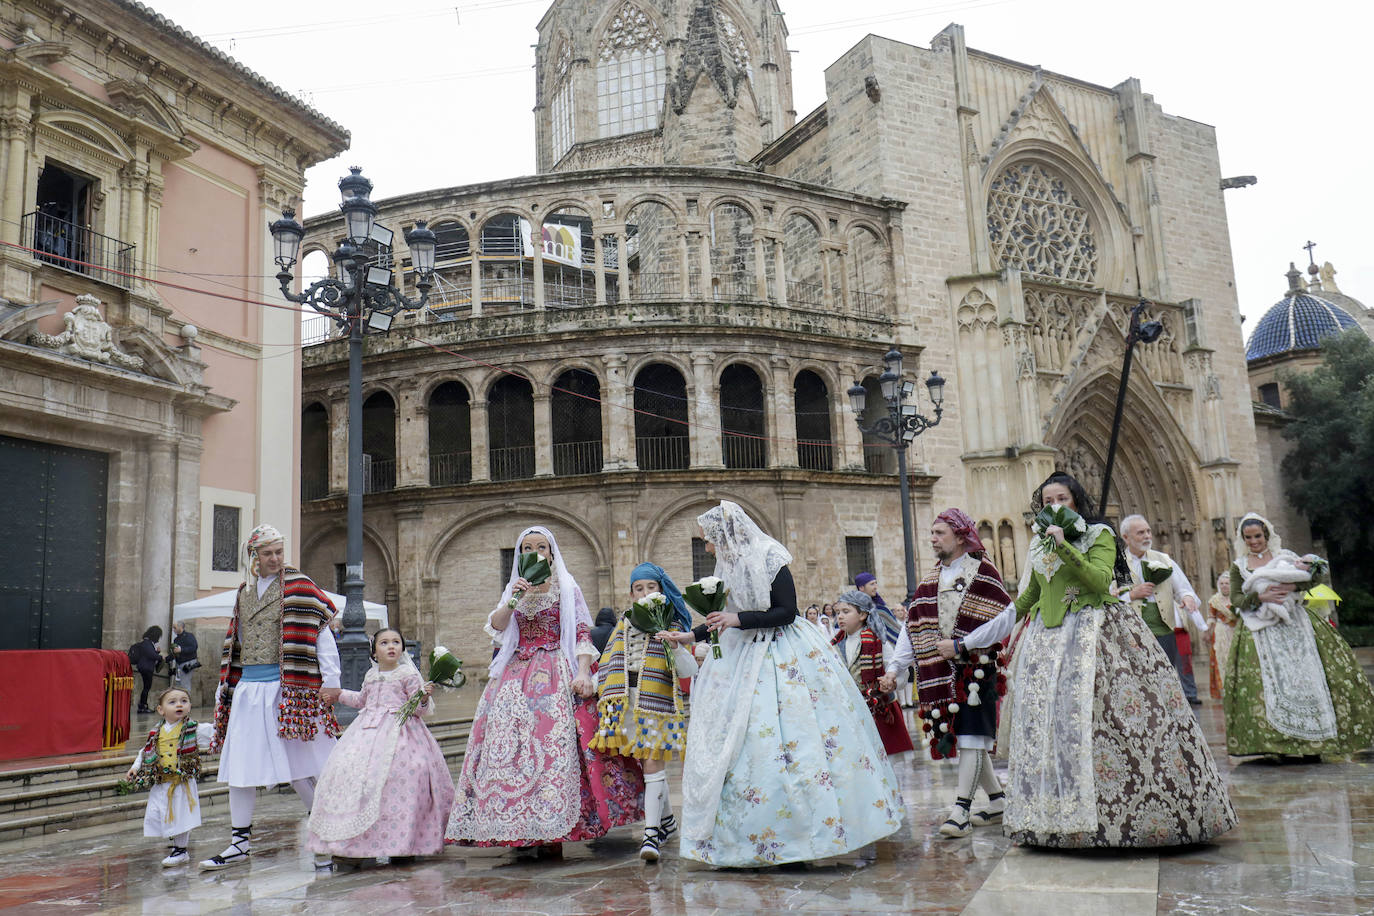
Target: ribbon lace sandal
[238, 850]
[958, 824]
[653, 836]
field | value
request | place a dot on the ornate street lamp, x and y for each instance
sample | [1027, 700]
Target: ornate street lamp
[901, 425]
[360, 298]
[1140, 332]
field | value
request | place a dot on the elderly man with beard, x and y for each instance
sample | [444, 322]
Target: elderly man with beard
[1161, 615]
[957, 689]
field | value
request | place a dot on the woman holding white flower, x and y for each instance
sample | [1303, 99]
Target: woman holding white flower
[529, 779]
[784, 763]
[1104, 750]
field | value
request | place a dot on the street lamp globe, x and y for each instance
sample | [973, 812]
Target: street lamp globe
[422, 243]
[892, 361]
[858, 398]
[343, 261]
[354, 184]
[286, 238]
[936, 386]
[889, 382]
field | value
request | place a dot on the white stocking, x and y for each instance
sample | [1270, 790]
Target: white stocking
[242, 800]
[182, 839]
[655, 793]
[987, 777]
[305, 788]
[970, 762]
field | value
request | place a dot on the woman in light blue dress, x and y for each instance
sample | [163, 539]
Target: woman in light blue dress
[783, 761]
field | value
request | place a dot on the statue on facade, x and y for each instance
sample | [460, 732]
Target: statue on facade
[87, 336]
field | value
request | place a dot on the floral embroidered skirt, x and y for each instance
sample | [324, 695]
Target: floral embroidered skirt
[1105, 752]
[528, 776]
[1248, 729]
[784, 763]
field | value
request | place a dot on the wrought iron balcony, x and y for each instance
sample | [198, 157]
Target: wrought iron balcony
[79, 249]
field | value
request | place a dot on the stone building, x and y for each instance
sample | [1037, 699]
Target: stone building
[147, 406]
[1287, 339]
[714, 273]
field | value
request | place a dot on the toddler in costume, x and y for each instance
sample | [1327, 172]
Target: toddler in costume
[865, 655]
[168, 766]
[386, 788]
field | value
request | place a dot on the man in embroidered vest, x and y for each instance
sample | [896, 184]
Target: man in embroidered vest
[958, 696]
[1158, 604]
[278, 680]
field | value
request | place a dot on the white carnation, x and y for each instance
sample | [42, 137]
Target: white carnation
[440, 651]
[709, 585]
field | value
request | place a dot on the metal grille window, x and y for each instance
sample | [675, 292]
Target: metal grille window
[741, 418]
[576, 410]
[507, 561]
[224, 549]
[661, 439]
[703, 564]
[450, 435]
[858, 553]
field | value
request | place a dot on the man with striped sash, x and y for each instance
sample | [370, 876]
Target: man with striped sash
[278, 680]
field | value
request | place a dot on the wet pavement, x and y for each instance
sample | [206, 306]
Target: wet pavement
[1305, 844]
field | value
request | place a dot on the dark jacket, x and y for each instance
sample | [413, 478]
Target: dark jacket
[188, 645]
[145, 657]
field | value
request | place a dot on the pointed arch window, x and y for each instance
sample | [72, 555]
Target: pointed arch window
[630, 74]
[1037, 225]
[561, 103]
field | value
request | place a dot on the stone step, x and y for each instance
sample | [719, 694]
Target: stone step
[42, 800]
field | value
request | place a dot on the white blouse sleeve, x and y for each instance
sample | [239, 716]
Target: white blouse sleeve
[995, 630]
[902, 654]
[327, 654]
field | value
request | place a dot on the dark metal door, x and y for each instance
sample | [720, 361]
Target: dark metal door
[52, 546]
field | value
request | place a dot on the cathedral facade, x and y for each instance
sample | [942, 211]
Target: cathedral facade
[671, 311]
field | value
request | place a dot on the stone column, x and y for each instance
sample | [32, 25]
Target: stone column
[684, 252]
[537, 246]
[159, 521]
[623, 537]
[412, 437]
[617, 421]
[338, 441]
[599, 248]
[847, 300]
[14, 129]
[827, 287]
[780, 271]
[481, 458]
[408, 612]
[703, 414]
[476, 294]
[622, 264]
[543, 434]
[782, 415]
[760, 269]
[850, 454]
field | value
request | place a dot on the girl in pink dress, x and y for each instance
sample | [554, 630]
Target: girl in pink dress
[386, 789]
[529, 779]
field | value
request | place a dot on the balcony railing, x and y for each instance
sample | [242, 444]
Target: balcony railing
[379, 474]
[314, 486]
[871, 304]
[802, 293]
[662, 453]
[741, 451]
[79, 249]
[655, 284]
[515, 463]
[734, 287]
[446, 468]
[571, 458]
[816, 456]
[878, 459]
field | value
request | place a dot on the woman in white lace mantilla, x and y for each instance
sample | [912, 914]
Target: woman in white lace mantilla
[1105, 751]
[783, 762]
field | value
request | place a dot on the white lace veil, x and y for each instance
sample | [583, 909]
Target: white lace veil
[572, 606]
[747, 560]
[1275, 542]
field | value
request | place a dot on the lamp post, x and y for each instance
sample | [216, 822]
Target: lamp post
[361, 298]
[901, 425]
[1139, 332]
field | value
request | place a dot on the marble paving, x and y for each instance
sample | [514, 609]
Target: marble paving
[1305, 845]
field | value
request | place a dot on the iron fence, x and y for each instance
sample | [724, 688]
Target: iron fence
[448, 468]
[662, 453]
[571, 458]
[79, 249]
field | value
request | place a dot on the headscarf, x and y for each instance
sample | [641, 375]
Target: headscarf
[964, 529]
[1242, 551]
[572, 607]
[747, 560]
[858, 599]
[669, 588]
[863, 579]
[880, 616]
[259, 537]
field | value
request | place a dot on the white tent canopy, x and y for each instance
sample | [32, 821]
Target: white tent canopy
[221, 604]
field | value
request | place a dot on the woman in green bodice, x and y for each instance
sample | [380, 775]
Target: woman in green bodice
[1104, 749]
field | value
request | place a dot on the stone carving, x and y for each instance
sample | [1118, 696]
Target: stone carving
[1078, 460]
[1055, 318]
[630, 29]
[1038, 226]
[1328, 275]
[976, 311]
[88, 337]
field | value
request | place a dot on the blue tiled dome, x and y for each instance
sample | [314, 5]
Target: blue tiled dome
[1298, 321]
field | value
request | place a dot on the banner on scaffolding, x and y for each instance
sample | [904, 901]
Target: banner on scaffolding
[562, 244]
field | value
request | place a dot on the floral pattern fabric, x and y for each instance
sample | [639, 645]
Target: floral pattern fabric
[528, 776]
[1249, 729]
[1223, 633]
[1105, 751]
[784, 763]
[386, 790]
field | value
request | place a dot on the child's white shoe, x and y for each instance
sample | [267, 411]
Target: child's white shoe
[177, 856]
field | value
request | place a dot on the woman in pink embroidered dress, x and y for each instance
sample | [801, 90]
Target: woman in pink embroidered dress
[386, 790]
[528, 776]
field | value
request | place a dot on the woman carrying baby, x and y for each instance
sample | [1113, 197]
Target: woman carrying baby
[1293, 686]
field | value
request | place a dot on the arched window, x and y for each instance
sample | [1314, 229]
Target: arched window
[630, 74]
[569, 259]
[510, 428]
[867, 266]
[1037, 225]
[651, 251]
[811, 400]
[561, 103]
[450, 435]
[741, 418]
[661, 442]
[314, 452]
[801, 253]
[379, 443]
[506, 281]
[879, 457]
[576, 408]
[732, 253]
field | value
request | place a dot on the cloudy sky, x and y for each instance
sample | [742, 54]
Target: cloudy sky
[441, 94]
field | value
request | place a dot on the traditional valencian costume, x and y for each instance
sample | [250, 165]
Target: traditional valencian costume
[1224, 621]
[866, 655]
[783, 761]
[1104, 750]
[270, 724]
[529, 778]
[958, 698]
[386, 790]
[169, 767]
[1293, 685]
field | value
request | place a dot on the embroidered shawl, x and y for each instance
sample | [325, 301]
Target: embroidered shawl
[867, 666]
[984, 598]
[657, 729]
[305, 610]
[187, 766]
